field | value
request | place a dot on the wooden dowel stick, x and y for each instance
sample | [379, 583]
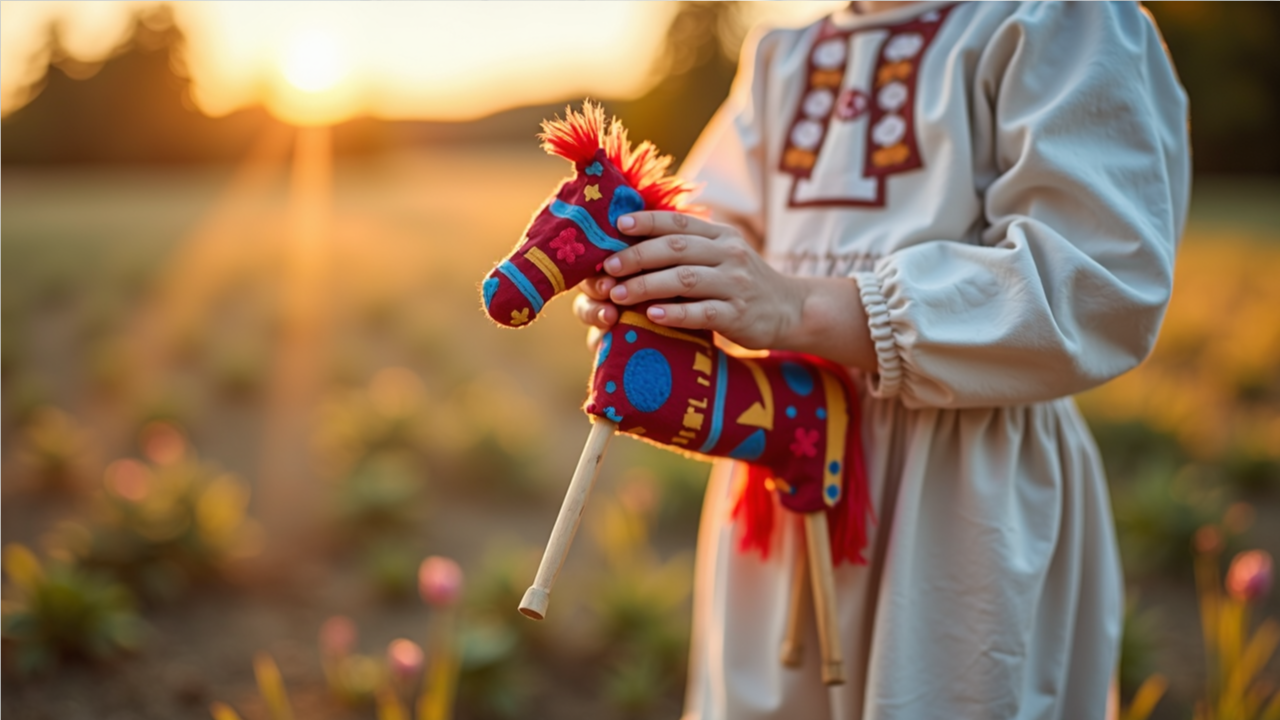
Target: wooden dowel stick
[822, 572]
[793, 642]
[536, 598]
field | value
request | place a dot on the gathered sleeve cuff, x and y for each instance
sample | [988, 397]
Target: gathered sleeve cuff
[887, 380]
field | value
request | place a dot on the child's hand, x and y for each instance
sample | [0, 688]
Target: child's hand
[593, 308]
[721, 282]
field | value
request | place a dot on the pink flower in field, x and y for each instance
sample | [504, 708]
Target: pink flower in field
[404, 660]
[338, 636]
[439, 581]
[1249, 578]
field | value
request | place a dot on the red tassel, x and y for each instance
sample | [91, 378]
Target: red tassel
[754, 510]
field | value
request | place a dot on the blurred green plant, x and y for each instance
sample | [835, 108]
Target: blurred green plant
[1158, 511]
[240, 371]
[63, 611]
[640, 602]
[388, 415]
[1236, 653]
[378, 496]
[270, 686]
[1138, 644]
[54, 450]
[164, 525]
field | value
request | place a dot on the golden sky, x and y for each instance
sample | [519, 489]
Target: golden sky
[326, 61]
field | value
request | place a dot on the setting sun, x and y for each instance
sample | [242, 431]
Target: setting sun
[313, 61]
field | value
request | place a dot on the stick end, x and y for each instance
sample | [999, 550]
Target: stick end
[534, 604]
[833, 672]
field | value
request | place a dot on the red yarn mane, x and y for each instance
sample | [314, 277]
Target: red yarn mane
[577, 137]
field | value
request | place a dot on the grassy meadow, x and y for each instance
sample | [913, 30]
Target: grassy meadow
[250, 398]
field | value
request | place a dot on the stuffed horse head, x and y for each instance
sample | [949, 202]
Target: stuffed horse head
[573, 233]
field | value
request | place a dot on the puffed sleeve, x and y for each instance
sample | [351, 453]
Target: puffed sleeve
[727, 161]
[1079, 107]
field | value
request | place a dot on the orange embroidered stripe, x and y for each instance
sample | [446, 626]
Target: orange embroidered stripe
[548, 268]
[837, 426]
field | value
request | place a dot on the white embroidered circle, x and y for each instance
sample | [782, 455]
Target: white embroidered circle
[889, 131]
[806, 134]
[903, 46]
[892, 96]
[830, 54]
[817, 104]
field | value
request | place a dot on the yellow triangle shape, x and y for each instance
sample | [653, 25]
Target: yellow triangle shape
[756, 416]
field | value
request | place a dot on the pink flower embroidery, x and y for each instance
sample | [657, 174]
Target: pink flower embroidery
[806, 443]
[567, 246]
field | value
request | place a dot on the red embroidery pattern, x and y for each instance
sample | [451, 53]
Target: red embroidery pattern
[890, 104]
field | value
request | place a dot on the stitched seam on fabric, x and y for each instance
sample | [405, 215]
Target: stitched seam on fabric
[522, 284]
[583, 220]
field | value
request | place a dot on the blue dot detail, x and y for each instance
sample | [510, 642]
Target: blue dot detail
[631, 336]
[595, 168]
[791, 411]
[625, 200]
[751, 448]
[490, 289]
[822, 413]
[610, 386]
[834, 467]
[647, 380]
[833, 492]
[606, 343]
[612, 414]
[798, 378]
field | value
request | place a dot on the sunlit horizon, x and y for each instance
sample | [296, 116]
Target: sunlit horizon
[319, 63]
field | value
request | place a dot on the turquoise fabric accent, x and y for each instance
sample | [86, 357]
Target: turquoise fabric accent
[490, 287]
[647, 380]
[612, 414]
[631, 336]
[606, 342]
[583, 220]
[717, 412]
[625, 200]
[833, 492]
[798, 378]
[522, 283]
[822, 413]
[610, 386]
[791, 411]
[595, 168]
[834, 467]
[751, 448]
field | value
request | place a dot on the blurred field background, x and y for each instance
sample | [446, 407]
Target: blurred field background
[247, 384]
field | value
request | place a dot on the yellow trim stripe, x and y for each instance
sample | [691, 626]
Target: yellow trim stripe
[837, 426]
[548, 268]
[631, 317]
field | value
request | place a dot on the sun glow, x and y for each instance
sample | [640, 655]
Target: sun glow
[313, 61]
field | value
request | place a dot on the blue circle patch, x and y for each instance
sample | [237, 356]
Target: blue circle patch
[624, 200]
[610, 386]
[647, 380]
[833, 492]
[822, 413]
[834, 467]
[798, 378]
[631, 336]
[791, 411]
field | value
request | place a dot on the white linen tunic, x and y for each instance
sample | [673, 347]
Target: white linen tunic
[1010, 210]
